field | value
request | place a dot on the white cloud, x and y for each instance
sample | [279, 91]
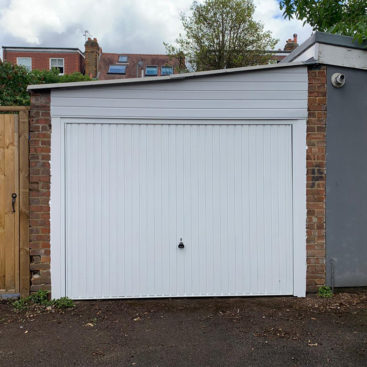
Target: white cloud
[269, 13]
[28, 20]
[120, 25]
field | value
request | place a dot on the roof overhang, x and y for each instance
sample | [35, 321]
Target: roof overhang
[58, 50]
[171, 77]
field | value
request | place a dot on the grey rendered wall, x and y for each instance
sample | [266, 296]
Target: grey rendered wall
[267, 94]
[346, 179]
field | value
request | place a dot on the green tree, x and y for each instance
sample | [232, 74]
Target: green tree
[222, 34]
[15, 79]
[347, 17]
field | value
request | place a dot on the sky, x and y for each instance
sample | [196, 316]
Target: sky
[129, 26]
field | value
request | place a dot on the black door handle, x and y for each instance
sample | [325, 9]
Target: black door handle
[13, 199]
[181, 244]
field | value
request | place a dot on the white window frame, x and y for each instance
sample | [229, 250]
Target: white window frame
[57, 203]
[63, 64]
[25, 57]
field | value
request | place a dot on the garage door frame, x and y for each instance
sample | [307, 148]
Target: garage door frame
[57, 203]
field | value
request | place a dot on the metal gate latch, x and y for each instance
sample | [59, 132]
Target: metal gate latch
[13, 198]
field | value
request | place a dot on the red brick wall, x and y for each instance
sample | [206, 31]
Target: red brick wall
[316, 177]
[73, 62]
[39, 190]
[108, 59]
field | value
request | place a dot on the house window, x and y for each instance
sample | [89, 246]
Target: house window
[57, 63]
[117, 69]
[166, 70]
[25, 62]
[122, 58]
[151, 70]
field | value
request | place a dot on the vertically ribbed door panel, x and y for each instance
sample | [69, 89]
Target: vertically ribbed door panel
[134, 190]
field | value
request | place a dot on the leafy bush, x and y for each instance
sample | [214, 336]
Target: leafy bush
[15, 79]
[74, 77]
[325, 292]
[21, 304]
[41, 298]
[13, 85]
[52, 76]
[63, 302]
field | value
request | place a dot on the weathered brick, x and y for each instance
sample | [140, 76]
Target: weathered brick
[40, 266]
[39, 233]
[36, 288]
[316, 176]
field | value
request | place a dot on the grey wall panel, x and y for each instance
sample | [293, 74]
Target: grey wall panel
[266, 94]
[346, 179]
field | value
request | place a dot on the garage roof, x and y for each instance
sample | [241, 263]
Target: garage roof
[167, 78]
[331, 49]
[325, 38]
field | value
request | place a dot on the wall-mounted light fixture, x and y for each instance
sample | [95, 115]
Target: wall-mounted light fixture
[338, 80]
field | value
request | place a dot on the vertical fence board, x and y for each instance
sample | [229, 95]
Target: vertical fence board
[23, 204]
[10, 245]
[2, 203]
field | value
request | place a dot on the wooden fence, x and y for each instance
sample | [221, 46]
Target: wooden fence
[14, 201]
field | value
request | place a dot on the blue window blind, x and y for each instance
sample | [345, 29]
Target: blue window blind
[151, 70]
[117, 69]
[166, 70]
[122, 58]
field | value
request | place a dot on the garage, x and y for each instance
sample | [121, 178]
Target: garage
[184, 186]
[184, 210]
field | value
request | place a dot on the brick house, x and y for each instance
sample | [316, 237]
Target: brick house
[68, 60]
[104, 66]
[246, 181]
[92, 62]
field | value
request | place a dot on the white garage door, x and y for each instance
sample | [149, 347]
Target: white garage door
[135, 191]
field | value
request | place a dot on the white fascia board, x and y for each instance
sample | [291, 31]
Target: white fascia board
[342, 56]
[310, 53]
[44, 50]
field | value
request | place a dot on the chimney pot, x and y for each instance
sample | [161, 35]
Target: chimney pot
[291, 44]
